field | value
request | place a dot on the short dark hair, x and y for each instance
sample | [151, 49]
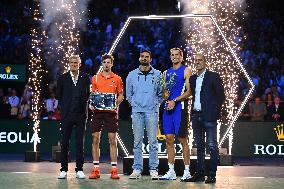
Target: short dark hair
[106, 56]
[147, 51]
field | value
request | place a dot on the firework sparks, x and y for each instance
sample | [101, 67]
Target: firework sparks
[62, 22]
[203, 36]
[36, 72]
[60, 35]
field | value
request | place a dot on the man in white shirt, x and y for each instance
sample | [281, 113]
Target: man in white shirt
[208, 96]
[51, 103]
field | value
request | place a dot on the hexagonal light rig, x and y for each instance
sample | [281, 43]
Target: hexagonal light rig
[155, 17]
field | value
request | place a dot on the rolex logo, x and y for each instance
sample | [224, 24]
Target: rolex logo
[8, 69]
[8, 75]
[279, 132]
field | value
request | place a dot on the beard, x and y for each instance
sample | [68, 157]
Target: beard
[144, 63]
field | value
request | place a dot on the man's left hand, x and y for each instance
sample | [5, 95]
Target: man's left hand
[170, 104]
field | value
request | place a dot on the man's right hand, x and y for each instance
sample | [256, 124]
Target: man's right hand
[91, 107]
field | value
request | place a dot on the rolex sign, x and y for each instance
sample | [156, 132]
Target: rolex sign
[272, 149]
[14, 73]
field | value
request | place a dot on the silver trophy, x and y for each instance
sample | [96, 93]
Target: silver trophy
[168, 84]
[103, 101]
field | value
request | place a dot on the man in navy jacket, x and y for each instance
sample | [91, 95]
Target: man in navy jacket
[208, 96]
[73, 89]
[276, 110]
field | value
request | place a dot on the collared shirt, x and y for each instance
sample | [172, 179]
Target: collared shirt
[107, 84]
[74, 78]
[199, 80]
[276, 107]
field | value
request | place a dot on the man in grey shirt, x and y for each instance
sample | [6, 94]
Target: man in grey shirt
[258, 110]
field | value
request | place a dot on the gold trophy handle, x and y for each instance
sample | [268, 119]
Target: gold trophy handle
[159, 135]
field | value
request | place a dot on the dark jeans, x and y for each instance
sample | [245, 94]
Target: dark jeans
[78, 120]
[200, 127]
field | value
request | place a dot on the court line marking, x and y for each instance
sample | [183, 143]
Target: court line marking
[255, 177]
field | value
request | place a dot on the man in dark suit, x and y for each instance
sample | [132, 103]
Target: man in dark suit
[276, 110]
[73, 88]
[208, 96]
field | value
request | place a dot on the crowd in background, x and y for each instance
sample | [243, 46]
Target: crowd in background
[262, 53]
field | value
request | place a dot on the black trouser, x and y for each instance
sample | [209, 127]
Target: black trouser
[79, 120]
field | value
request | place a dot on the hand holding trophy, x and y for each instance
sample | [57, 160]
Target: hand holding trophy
[103, 101]
[168, 86]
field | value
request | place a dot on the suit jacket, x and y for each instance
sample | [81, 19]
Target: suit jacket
[212, 95]
[272, 110]
[64, 91]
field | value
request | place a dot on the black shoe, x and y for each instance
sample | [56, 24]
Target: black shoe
[197, 177]
[210, 179]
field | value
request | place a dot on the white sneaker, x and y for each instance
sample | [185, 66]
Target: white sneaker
[186, 176]
[136, 174]
[154, 175]
[62, 175]
[80, 175]
[170, 175]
